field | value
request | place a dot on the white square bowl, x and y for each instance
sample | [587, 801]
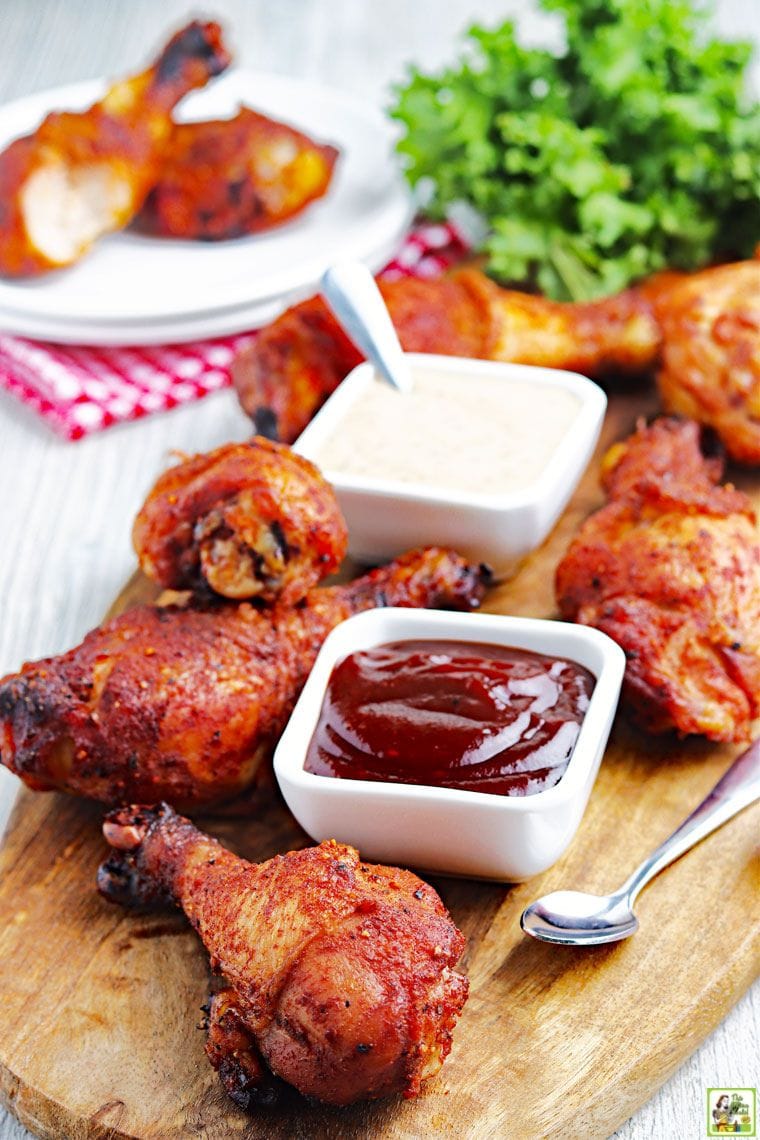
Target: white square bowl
[387, 517]
[474, 834]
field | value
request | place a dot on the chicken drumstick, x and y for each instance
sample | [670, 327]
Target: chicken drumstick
[84, 174]
[230, 177]
[710, 367]
[294, 364]
[183, 703]
[341, 974]
[670, 569]
[248, 520]
[702, 328]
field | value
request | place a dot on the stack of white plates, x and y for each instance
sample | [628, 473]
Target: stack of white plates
[132, 289]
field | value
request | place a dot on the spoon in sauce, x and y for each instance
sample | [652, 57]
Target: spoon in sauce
[352, 293]
[573, 918]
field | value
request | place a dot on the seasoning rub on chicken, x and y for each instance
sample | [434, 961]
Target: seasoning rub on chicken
[670, 569]
[340, 975]
[710, 360]
[246, 520]
[184, 703]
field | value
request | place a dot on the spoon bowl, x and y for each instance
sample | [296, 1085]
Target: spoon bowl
[573, 918]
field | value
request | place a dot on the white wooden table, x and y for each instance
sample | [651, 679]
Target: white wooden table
[66, 509]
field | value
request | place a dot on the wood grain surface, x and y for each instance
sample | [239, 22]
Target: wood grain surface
[101, 1007]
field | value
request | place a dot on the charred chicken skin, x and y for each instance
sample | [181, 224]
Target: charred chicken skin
[84, 174]
[247, 520]
[670, 569]
[183, 703]
[233, 177]
[294, 364]
[703, 329]
[340, 974]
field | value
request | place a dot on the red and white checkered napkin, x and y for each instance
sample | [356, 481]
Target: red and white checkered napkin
[79, 390]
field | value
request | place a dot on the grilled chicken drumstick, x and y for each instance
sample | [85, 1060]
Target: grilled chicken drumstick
[341, 974]
[84, 174]
[294, 364]
[248, 520]
[183, 703]
[234, 176]
[670, 568]
[702, 328]
[710, 368]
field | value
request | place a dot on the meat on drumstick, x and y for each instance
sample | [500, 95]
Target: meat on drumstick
[247, 520]
[183, 703]
[83, 174]
[230, 177]
[710, 366]
[670, 569]
[340, 974]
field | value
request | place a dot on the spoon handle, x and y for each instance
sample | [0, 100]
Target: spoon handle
[351, 292]
[737, 789]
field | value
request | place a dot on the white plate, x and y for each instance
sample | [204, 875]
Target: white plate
[170, 330]
[129, 279]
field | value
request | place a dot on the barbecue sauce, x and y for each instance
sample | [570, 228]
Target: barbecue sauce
[453, 714]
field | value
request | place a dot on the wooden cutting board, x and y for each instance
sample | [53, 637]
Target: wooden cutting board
[100, 1007]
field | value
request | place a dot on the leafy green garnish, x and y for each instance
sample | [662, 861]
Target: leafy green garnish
[633, 150]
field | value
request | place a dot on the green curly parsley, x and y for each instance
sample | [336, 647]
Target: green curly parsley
[634, 150]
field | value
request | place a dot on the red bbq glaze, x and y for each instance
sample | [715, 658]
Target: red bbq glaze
[454, 714]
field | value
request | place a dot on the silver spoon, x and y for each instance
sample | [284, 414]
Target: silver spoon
[350, 290]
[577, 919]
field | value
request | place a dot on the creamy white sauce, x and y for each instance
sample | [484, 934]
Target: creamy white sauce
[467, 433]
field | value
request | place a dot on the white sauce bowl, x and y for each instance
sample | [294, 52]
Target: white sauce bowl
[386, 516]
[474, 834]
